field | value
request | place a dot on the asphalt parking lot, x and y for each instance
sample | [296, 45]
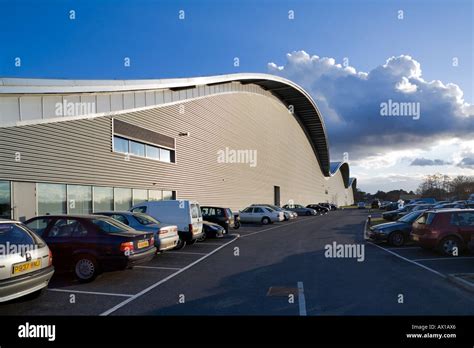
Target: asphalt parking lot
[280, 269]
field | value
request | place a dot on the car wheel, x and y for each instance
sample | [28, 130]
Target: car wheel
[236, 225]
[86, 268]
[286, 218]
[396, 239]
[181, 244]
[448, 245]
[265, 221]
[191, 242]
[203, 237]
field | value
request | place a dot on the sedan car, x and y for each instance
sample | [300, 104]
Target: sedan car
[300, 210]
[396, 214]
[211, 230]
[261, 214]
[88, 244]
[166, 236]
[319, 208]
[396, 233]
[26, 263]
[219, 215]
[288, 214]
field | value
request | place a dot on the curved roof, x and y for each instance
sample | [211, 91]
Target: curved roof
[343, 167]
[288, 92]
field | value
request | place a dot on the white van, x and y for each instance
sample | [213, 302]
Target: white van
[182, 213]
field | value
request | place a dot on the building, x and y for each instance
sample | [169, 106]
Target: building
[69, 146]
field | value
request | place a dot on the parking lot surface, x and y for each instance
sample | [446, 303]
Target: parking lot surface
[279, 269]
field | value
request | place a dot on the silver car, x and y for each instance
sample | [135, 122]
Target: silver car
[288, 214]
[261, 214]
[26, 263]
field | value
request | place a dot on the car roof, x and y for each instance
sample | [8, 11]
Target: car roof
[73, 216]
[125, 212]
[213, 206]
[449, 210]
[8, 221]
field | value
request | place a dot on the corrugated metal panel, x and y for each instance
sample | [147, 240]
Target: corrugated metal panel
[79, 152]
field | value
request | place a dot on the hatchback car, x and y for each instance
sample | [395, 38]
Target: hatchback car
[219, 215]
[26, 263]
[88, 244]
[166, 236]
[396, 233]
[446, 230]
[260, 214]
[319, 208]
[300, 210]
[211, 230]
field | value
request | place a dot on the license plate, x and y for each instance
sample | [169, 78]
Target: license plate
[27, 266]
[143, 244]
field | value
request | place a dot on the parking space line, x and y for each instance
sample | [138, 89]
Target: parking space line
[89, 292]
[151, 287]
[153, 267]
[301, 299]
[408, 260]
[404, 248]
[272, 228]
[445, 258]
[185, 252]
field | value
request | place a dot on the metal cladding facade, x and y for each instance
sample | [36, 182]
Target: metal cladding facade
[233, 139]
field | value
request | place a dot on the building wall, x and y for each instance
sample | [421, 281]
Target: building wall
[80, 152]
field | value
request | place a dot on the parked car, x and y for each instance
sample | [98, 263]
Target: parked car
[26, 263]
[211, 230]
[166, 236]
[319, 208]
[183, 213]
[288, 214]
[260, 214]
[219, 215]
[396, 214]
[428, 200]
[396, 233]
[445, 230]
[89, 244]
[361, 205]
[390, 206]
[444, 206]
[327, 205]
[300, 210]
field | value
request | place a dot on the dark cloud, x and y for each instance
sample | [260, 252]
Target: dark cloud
[350, 102]
[467, 162]
[428, 162]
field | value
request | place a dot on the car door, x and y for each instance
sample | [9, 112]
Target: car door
[59, 239]
[246, 214]
[257, 214]
[465, 222]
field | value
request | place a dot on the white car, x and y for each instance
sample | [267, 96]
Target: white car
[262, 214]
[26, 263]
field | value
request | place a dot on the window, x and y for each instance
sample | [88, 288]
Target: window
[168, 195]
[123, 198]
[39, 225]
[270, 210]
[141, 209]
[139, 196]
[195, 211]
[258, 210]
[466, 219]
[155, 195]
[247, 210]
[79, 199]
[121, 145]
[103, 198]
[110, 226]
[5, 200]
[65, 228]
[426, 219]
[137, 149]
[152, 152]
[14, 234]
[120, 218]
[51, 199]
[144, 219]
[165, 155]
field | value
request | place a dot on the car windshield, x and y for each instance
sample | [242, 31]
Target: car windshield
[110, 225]
[410, 218]
[144, 219]
[15, 234]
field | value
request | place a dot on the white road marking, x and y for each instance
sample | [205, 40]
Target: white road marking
[403, 248]
[408, 260]
[153, 267]
[184, 252]
[144, 291]
[301, 299]
[446, 258]
[90, 292]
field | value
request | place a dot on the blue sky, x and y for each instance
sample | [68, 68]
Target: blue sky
[93, 46]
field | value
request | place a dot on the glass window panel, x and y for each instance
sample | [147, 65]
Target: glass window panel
[103, 198]
[79, 199]
[152, 152]
[123, 198]
[165, 155]
[137, 149]
[139, 196]
[121, 145]
[155, 195]
[51, 199]
[5, 200]
[167, 195]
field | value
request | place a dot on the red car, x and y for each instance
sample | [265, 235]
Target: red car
[445, 230]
